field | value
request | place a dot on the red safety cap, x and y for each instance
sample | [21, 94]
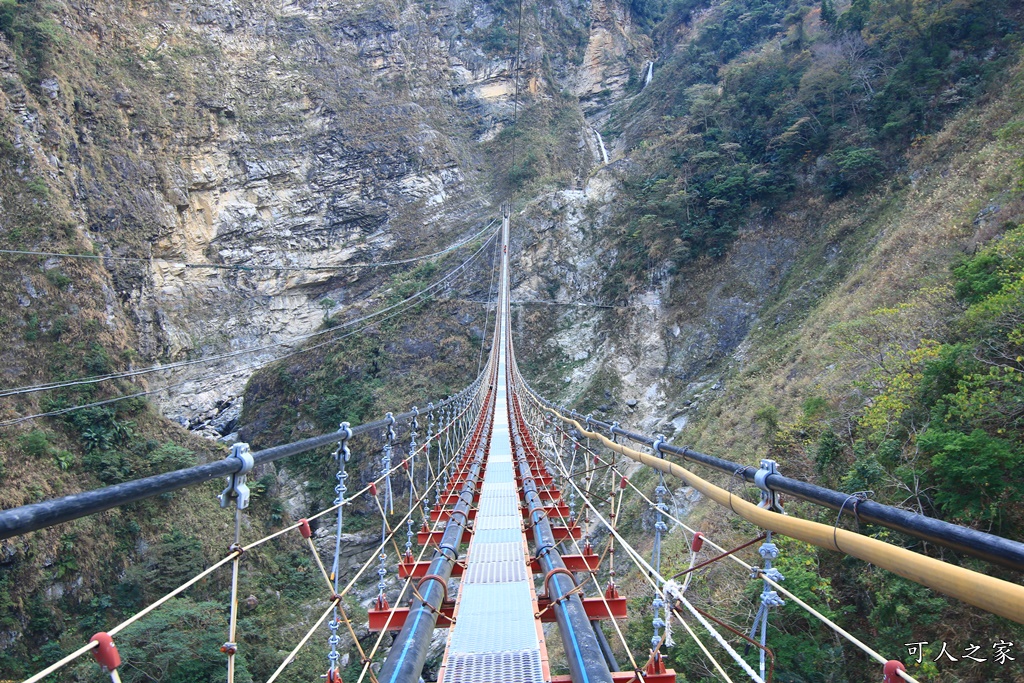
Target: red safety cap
[373, 488]
[596, 460]
[622, 484]
[405, 464]
[698, 542]
[304, 528]
[889, 670]
[333, 676]
[105, 652]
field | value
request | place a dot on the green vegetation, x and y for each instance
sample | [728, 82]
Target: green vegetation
[949, 410]
[32, 32]
[835, 107]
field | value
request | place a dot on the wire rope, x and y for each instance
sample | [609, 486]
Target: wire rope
[236, 553]
[239, 267]
[835, 627]
[402, 306]
[515, 97]
[728, 553]
[242, 352]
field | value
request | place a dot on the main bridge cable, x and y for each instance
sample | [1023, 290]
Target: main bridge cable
[405, 304]
[521, 427]
[240, 267]
[586, 658]
[566, 522]
[750, 570]
[515, 96]
[989, 547]
[988, 593]
[230, 557]
[242, 352]
[26, 518]
[390, 537]
[409, 650]
[634, 555]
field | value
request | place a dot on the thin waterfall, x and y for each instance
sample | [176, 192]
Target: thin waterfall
[600, 142]
[650, 74]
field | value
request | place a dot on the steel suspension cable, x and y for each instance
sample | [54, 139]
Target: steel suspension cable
[640, 562]
[831, 624]
[989, 593]
[229, 558]
[406, 304]
[389, 537]
[651, 574]
[242, 352]
[230, 266]
[600, 593]
[338, 596]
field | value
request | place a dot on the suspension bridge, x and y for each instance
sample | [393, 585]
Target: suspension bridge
[511, 522]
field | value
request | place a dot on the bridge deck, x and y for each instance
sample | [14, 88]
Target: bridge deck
[496, 637]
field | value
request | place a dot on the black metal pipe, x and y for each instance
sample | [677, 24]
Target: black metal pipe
[989, 547]
[606, 648]
[21, 520]
[585, 656]
[408, 653]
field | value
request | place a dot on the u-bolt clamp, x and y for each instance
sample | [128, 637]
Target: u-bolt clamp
[236, 488]
[659, 441]
[769, 498]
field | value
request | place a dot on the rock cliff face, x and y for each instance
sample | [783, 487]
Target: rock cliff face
[235, 160]
[246, 154]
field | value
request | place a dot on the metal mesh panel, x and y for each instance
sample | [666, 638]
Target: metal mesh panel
[497, 552]
[500, 475]
[499, 667]
[494, 639]
[484, 523]
[498, 505]
[498, 536]
[496, 572]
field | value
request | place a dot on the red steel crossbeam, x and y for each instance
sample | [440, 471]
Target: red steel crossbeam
[629, 677]
[434, 537]
[597, 608]
[379, 617]
[574, 563]
[442, 514]
[418, 570]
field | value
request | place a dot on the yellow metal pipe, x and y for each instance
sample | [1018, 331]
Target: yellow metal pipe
[986, 592]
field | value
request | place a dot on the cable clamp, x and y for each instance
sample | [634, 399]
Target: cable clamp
[237, 488]
[769, 498]
[659, 441]
[772, 599]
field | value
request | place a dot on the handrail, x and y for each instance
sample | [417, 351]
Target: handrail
[989, 547]
[21, 520]
[990, 594]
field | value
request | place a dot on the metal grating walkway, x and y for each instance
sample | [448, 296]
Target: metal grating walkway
[496, 638]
